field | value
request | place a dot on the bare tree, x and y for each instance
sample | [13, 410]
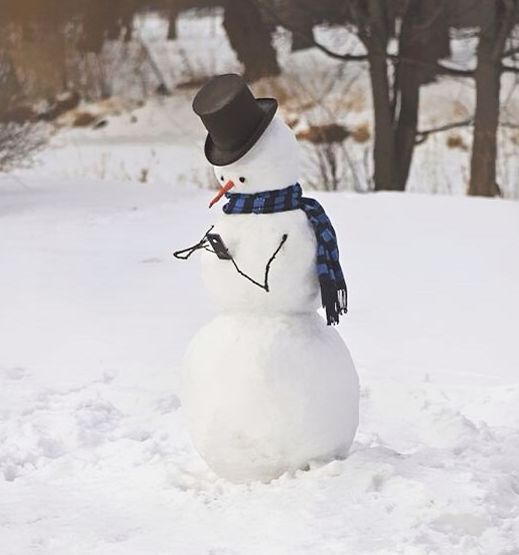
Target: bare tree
[422, 41]
[497, 18]
[375, 24]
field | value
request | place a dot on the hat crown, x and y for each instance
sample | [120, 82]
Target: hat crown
[233, 117]
[218, 92]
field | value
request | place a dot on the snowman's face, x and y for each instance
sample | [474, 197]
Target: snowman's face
[272, 163]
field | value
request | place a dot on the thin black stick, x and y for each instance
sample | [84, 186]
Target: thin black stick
[202, 244]
[265, 285]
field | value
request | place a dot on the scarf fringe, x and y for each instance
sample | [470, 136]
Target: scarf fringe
[335, 301]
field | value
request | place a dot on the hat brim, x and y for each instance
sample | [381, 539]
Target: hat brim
[220, 157]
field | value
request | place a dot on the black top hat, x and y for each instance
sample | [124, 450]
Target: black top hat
[234, 119]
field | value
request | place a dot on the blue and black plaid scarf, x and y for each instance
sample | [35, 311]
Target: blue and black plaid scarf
[331, 279]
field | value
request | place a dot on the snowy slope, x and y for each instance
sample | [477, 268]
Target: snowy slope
[95, 315]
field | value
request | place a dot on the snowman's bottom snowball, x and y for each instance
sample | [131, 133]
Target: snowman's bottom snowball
[264, 394]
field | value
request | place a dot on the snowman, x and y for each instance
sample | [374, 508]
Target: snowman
[268, 386]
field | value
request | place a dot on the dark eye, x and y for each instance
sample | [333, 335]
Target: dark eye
[221, 178]
[242, 179]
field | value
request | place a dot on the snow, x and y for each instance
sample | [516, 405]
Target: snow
[253, 239]
[95, 457]
[273, 162]
[95, 316]
[268, 393]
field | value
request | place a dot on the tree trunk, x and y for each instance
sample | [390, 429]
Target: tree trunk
[172, 22]
[302, 36]
[484, 148]
[406, 127]
[496, 17]
[301, 26]
[250, 39]
[424, 39]
[384, 142]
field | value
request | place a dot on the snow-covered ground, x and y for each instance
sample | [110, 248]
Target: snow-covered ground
[95, 315]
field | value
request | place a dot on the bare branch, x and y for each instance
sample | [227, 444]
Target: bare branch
[338, 56]
[421, 136]
[509, 69]
[440, 69]
[454, 71]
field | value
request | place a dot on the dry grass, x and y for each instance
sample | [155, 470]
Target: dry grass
[460, 109]
[287, 92]
[361, 133]
[83, 119]
[353, 101]
[19, 143]
[326, 133]
[86, 116]
[292, 120]
[456, 141]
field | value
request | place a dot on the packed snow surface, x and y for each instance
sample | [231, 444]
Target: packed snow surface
[95, 315]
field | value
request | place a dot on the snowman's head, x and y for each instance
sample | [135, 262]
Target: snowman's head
[271, 164]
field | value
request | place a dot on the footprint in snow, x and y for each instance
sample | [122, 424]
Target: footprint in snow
[171, 403]
[15, 373]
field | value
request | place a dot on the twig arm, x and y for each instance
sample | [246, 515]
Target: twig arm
[265, 284]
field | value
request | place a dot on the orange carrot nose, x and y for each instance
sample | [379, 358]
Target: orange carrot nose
[227, 187]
